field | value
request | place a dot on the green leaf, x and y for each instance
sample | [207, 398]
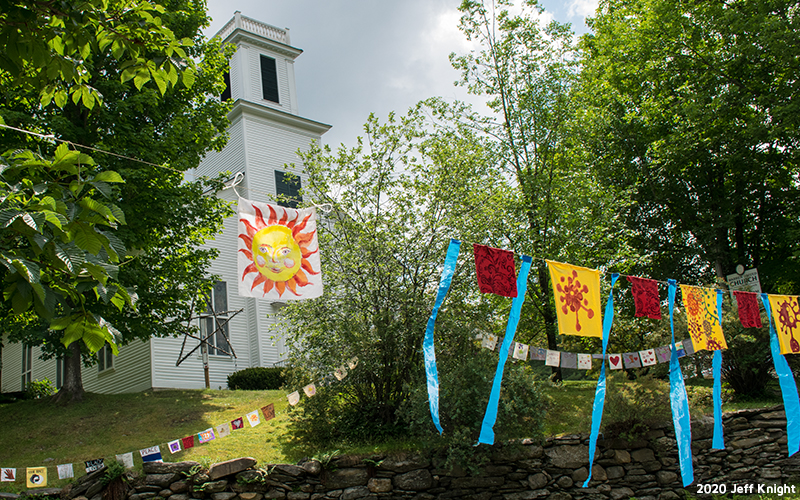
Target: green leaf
[87, 239]
[60, 98]
[108, 176]
[188, 77]
[72, 256]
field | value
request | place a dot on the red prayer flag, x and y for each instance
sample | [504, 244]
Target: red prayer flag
[749, 314]
[237, 423]
[188, 442]
[496, 272]
[645, 296]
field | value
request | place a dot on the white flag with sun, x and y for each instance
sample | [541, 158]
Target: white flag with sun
[278, 252]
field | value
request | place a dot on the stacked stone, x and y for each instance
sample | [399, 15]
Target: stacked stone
[556, 469]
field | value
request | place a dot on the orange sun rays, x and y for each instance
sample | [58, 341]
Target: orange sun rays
[303, 240]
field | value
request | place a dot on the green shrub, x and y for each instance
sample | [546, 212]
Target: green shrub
[633, 408]
[257, 378]
[39, 389]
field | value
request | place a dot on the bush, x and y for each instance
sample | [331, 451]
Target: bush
[39, 389]
[258, 378]
[633, 408]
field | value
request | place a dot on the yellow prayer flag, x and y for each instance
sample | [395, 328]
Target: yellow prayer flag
[36, 477]
[577, 294]
[701, 314]
[786, 315]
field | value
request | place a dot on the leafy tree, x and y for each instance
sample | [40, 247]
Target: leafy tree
[137, 60]
[555, 209]
[397, 198]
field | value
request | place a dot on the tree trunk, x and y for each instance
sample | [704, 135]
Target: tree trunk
[72, 390]
[550, 318]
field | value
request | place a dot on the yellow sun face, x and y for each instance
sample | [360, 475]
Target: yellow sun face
[276, 254]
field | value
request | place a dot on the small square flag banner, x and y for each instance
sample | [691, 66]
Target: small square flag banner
[538, 354]
[577, 296]
[278, 252]
[8, 475]
[569, 360]
[310, 390]
[152, 454]
[93, 465]
[174, 446]
[37, 477]
[126, 459]
[786, 316]
[703, 318]
[293, 398]
[495, 270]
[253, 418]
[237, 423]
[489, 342]
[520, 351]
[680, 349]
[663, 353]
[223, 430]
[65, 471]
[615, 361]
[584, 361]
[188, 442]
[206, 435]
[553, 358]
[269, 412]
[340, 373]
[353, 362]
[632, 360]
[648, 357]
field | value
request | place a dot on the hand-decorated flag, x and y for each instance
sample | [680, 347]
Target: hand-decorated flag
[553, 358]
[269, 412]
[786, 315]
[577, 294]
[65, 471]
[93, 465]
[340, 373]
[310, 390]
[174, 446]
[703, 318]
[253, 418]
[663, 353]
[152, 454]
[237, 423]
[615, 361]
[37, 477]
[8, 474]
[495, 269]
[520, 351]
[569, 360]
[686, 348]
[223, 430]
[648, 357]
[279, 254]
[293, 398]
[206, 435]
[489, 341]
[631, 360]
[645, 297]
[126, 459]
[188, 442]
[747, 305]
[353, 363]
[584, 361]
[539, 354]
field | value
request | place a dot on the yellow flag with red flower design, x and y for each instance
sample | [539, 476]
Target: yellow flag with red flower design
[786, 315]
[577, 294]
[703, 318]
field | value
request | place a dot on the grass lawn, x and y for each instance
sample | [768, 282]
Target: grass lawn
[39, 433]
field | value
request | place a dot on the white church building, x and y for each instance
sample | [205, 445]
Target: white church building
[266, 131]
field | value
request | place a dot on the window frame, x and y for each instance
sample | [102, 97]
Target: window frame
[270, 90]
[206, 321]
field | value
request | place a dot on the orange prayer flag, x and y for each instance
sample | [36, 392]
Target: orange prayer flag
[786, 315]
[577, 294]
[701, 314]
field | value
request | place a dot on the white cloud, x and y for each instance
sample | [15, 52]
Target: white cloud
[582, 8]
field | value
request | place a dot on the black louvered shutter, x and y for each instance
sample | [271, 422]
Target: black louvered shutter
[269, 79]
[226, 94]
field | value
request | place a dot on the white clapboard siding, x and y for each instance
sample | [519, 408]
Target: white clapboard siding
[130, 371]
[232, 156]
[12, 366]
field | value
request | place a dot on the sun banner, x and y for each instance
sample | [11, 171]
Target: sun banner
[786, 315]
[702, 314]
[278, 252]
[577, 294]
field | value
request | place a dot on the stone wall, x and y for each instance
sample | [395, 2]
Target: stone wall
[755, 454]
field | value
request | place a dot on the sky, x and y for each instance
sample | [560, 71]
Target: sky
[372, 56]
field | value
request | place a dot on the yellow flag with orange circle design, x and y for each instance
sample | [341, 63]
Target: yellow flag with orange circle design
[278, 252]
[577, 294]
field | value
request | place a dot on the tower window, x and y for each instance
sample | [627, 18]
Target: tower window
[217, 337]
[287, 187]
[269, 79]
[226, 94]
